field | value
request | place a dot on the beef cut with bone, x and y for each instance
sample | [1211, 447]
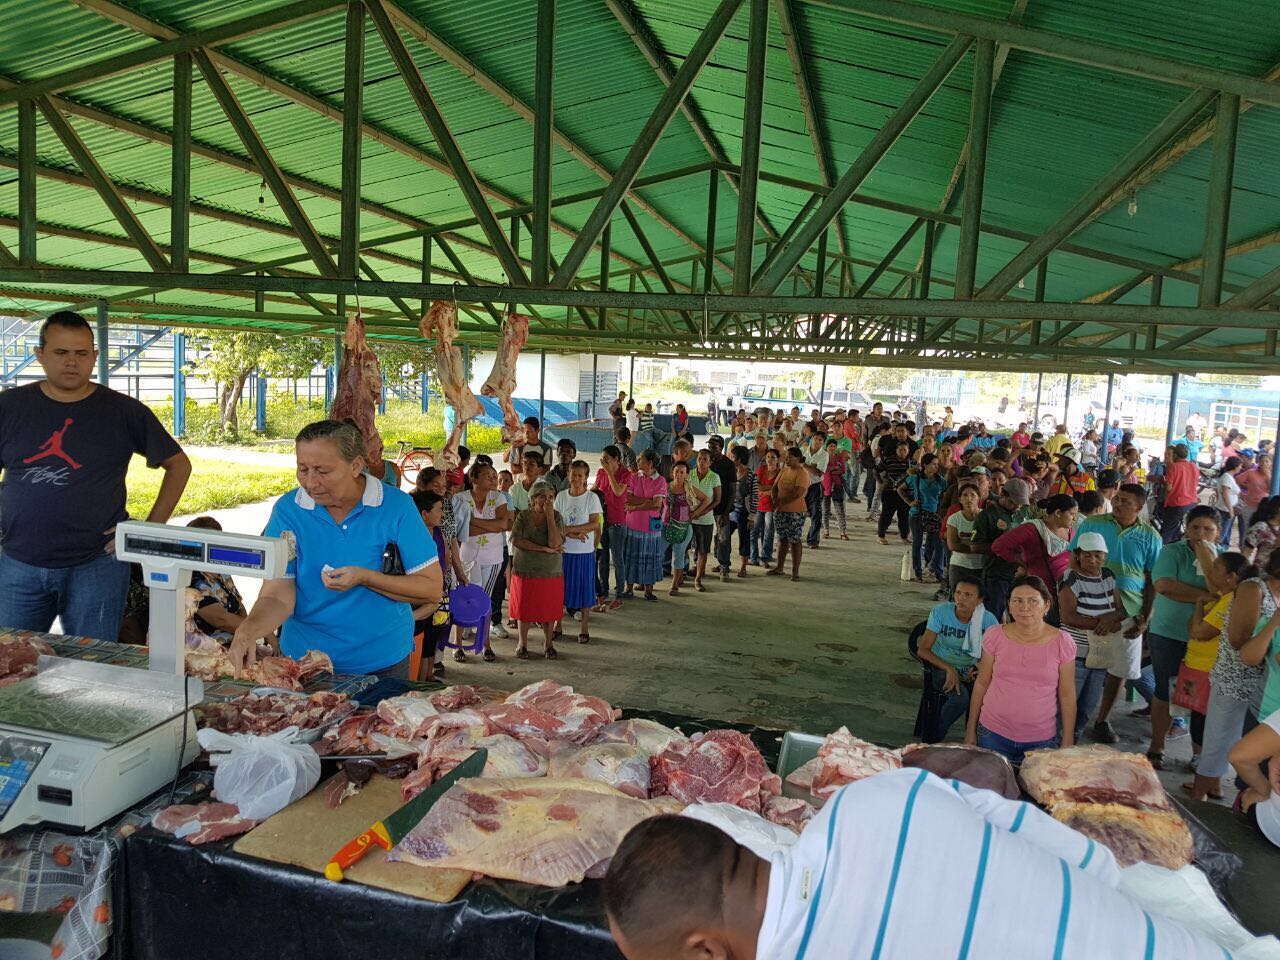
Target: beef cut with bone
[440, 323]
[360, 391]
[502, 378]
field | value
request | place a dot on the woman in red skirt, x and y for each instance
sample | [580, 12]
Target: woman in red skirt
[537, 570]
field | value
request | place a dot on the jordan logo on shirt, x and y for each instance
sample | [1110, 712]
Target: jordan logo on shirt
[53, 447]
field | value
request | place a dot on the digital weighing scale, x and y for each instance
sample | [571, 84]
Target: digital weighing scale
[81, 741]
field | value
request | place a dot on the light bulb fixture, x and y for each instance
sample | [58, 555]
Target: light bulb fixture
[1133, 203]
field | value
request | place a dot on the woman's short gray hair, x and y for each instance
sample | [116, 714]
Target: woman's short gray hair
[345, 436]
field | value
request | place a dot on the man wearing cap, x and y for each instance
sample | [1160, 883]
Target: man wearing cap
[1133, 546]
[1002, 513]
[1071, 479]
[1058, 441]
[1181, 479]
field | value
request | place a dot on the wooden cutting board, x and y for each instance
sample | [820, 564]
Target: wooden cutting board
[307, 833]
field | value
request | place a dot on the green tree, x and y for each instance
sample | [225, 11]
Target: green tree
[403, 362]
[872, 379]
[805, 376]
[232, 358]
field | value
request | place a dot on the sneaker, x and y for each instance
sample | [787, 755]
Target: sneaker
[724, 576]
[1104, 733]
[1177, 733]
[499, 631]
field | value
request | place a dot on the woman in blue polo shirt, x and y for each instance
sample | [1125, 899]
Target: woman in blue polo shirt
[334, 596]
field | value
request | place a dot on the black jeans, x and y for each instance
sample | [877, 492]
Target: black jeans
[1171, 523]
[995, 595]
[813, 503]
[892, 504]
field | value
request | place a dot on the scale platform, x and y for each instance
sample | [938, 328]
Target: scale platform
[81, 742]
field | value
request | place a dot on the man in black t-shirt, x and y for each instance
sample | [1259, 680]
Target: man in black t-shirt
[65, 446]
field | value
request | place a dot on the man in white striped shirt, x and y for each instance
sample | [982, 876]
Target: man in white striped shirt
[900, 865]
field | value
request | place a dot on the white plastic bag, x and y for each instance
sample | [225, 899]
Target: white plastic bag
[751, 830]
[260, 775]
[906, 570]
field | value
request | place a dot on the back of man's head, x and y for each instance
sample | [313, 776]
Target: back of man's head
[671, 879]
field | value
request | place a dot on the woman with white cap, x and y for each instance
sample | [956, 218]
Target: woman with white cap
[1092, 611]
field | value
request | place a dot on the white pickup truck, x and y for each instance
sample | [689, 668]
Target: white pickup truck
[784, 396]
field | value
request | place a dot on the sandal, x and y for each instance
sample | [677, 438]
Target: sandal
[882, 541]
[616, 605]
[773, 572]
[650, 595]
[522, 653]
[551, 654]
[490, 656]
[1156, 758]
[459, 657]
[584, 638]
[1190, 790]
[697, 585]
[743, 574]
[600, 608]
[795, 578]
[674, 592]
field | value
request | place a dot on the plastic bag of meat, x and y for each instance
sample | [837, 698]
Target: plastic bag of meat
[844, 759]
[984, 769]
[18, 657]
[202, 822]
[550, 711]
[405, 717]
[548, 832]
[1093, 774]
[721, 766]
[502, 379]
[651, 735]
[360, 391]
[623, 766]
[260, 775]
[1160, 837]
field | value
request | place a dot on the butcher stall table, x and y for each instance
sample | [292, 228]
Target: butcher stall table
[236, 906]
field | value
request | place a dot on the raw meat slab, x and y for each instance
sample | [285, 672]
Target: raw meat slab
[307, 833]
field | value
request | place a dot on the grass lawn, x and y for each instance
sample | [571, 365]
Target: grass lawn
[214, 485]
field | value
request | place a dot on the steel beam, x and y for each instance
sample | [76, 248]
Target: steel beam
[1060, 46]
[1258, 291]
[1104, 455]
[1017, 268]
[713, 194]
[352, 141]
[658, 268]
[271, 174]
[440, 131]
[1227, 316]
[790, 31]
[1218, 216]
[187, 43]
[180, 166]
[473, 72]
[633, 23]
[1169, 433]
[646, 140]
[104, 186]
[879, 269]
[752, 120]
[606, 241]
[976, 168]
[543, 128]
[27, 182]
[848, 184]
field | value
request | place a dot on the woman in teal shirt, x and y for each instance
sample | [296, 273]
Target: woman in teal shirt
[922, 490]
[1180, 578]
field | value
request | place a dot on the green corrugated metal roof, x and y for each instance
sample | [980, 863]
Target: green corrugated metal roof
[1057, 127]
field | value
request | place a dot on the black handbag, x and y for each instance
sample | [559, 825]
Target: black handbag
[392, 563]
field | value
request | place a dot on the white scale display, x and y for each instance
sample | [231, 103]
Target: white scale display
[81, 741]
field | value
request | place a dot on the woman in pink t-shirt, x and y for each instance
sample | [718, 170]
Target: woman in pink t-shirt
[1026, 678]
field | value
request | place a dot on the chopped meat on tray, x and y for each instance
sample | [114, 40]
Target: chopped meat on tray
[202, 822]
[722, 766]
[267, 713]
[18, 656]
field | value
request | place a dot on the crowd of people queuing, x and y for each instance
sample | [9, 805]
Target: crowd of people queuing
[1065, 568]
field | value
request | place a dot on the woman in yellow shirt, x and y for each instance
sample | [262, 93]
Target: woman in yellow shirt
[1232, 684]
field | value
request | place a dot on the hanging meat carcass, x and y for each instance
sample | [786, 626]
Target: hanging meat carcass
[440, 323]
[360, 391]
[502, 379]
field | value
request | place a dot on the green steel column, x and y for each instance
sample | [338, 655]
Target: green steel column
[1036, 416]
[821, 279]
[1221, 177]
[352, 141]
[1173, 409]
[822, 391]
[631, 387]
[1066, 402]
[606, 241]
[975, 169]
[466, 373]
[543, 127]
[104, 342]
[1106, 419]
[926, 274]
[752, 118]
[180, 168]
[542, 386]
[713, 193]
[27, 183]
[426, 271]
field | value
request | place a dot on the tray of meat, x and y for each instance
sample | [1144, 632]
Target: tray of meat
[265, 710]
[813, 768]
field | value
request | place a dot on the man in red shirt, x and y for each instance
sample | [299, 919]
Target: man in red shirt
[1181, 478]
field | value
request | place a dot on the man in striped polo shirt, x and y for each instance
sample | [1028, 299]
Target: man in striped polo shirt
[899, 866]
